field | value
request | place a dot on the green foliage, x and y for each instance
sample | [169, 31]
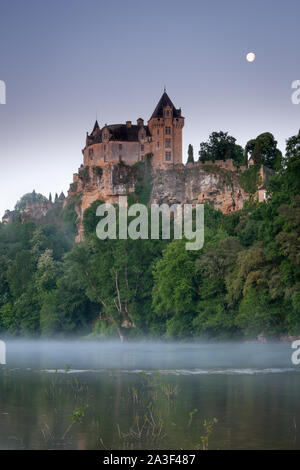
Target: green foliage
[258, 314]
[190, 154]
[250, 180]
[208, 426]
[29, 198]
[244, 282]
[221, 146]
[174, 276]
[144, 186]
[263, 150]
[98, 170]
[20, 272]
[69, 215]
[90, 220]
[217, 170]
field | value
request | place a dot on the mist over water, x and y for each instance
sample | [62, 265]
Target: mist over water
[149, 356]
[251, 389]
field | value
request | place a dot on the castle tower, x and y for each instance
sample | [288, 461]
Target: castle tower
[165, 126]
[130, 143]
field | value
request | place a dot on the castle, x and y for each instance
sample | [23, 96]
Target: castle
[109, 171]
[130, 143]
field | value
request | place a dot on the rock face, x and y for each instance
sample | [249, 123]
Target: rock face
[213, 183]
[196, 184]
[105, 183]
[216, 184]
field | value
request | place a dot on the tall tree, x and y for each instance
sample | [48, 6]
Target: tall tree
[263, 151]
[190, 154]
[220, 146]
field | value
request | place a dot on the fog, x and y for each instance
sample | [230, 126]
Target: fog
[177, 358]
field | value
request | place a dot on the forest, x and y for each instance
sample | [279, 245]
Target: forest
[243, 283]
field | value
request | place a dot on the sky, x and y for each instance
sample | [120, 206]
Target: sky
[66, 62]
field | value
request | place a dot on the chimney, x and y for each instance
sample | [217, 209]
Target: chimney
[128, 123]
[140, 122]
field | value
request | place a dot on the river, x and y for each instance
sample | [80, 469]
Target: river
[106, 395]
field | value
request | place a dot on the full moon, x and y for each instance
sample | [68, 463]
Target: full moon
[250, 56]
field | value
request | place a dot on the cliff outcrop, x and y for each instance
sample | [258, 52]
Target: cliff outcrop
[213, 183]
[197, 184]
[216, 183]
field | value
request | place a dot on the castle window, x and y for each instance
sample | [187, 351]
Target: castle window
[142, 147]
[167, 113]
[157, 145]
[105, 158]
[157, 131]
[91, 152]
[168, 130]
[168, 143]
[168, 156]
[104, 148]
[120, 146]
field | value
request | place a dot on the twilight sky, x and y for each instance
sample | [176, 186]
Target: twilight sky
[65, 62]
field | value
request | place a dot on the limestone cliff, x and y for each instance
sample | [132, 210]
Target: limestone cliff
[216, 184]
[195, 184]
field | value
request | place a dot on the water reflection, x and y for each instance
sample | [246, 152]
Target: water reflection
[99, 393]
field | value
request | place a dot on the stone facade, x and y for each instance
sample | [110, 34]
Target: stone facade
[130, 143]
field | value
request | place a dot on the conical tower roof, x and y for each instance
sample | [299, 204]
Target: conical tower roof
[96, 127]
[165, 101]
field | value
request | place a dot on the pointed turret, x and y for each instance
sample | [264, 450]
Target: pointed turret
[165, 101]
[96, 128]
[165, 126]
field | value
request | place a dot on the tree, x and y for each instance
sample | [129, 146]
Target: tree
[292, 163]
[263, 151]
[258, 314]
[20, 273]
[190, 154]
[90, 220]
[221, 146]
[117, 275]
[29, 198]
[175, 288]
[245, 280]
